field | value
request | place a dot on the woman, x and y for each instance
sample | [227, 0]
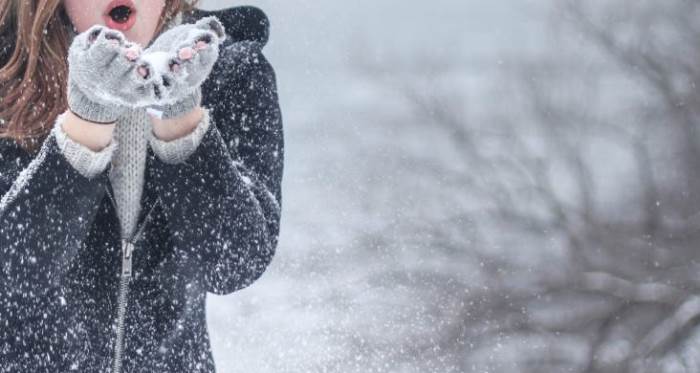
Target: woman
[134, 180]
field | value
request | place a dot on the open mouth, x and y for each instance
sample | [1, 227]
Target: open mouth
[120, 15]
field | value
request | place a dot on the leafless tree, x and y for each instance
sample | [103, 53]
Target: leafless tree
[577, 193]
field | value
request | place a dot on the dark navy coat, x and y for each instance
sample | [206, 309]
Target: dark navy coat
[209, 224]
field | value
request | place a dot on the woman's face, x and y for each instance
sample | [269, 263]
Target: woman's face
[136, 19]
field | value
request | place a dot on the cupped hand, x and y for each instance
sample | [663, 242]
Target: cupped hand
[107, 75]
[183, 58]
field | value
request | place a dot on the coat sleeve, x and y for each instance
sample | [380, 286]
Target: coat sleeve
[223, 202]
[46, 209]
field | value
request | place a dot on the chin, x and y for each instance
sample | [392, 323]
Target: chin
[138, 37]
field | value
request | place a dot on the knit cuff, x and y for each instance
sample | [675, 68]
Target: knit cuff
[185, 105]
[88, 162]
[178, 150]
[90, 110]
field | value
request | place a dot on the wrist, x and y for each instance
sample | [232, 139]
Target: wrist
[94, 136]
[174, 128]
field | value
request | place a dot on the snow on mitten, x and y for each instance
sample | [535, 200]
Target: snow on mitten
[106, 76]
[183, 57]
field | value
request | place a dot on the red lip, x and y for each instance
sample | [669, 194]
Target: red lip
[111, 23]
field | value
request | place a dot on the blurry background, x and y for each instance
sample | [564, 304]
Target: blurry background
[476, 186]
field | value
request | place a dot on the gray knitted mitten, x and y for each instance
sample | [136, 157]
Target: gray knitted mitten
[106, 75]
[183, 57]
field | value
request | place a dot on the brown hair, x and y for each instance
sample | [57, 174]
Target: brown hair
[34, 39]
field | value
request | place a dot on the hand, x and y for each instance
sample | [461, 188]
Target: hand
[106, 76]
[183, 57]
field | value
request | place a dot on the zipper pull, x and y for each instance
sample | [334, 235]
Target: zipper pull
[127, 251]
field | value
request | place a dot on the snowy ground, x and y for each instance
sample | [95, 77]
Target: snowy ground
[334, 299]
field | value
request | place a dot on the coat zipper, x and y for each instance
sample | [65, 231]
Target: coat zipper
[127, 249]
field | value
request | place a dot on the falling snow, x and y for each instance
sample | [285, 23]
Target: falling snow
[468, 186]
